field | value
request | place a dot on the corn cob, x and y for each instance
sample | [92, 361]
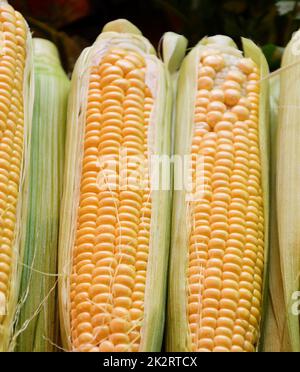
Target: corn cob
[114, 233]
[287, 186]
[37, 326]
[220, 221]
[15, 119]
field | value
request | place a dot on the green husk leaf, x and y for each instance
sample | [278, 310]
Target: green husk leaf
[177, 322]
[288, 184]
[7, 320]
[74, 138]
[37, 327]
[174, 47]
[158, 81]
[122, 26]
[276, 338]
[254, 52]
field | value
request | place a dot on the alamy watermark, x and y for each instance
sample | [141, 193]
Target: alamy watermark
[296, 303]
[127, 171]
[2, 304]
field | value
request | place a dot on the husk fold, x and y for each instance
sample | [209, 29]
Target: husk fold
[174, 48]
[121, 34]
[37, 320]
[7, 320]
[178, 337]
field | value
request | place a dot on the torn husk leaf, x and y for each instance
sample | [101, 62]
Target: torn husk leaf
[180, 311]
[14, 156]
[37, 320]
[119, 38]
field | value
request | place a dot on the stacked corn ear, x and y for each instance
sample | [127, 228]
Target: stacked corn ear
[220, 214]
[276, 337]
[115, 217]
[288, 183]
[37, 325]
[16, 103]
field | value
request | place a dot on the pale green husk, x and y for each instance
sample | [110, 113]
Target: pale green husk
[37, 320]
[174, 48]
[178, 337]
[158, 81]
[7, 321]
[288, 184]
[276, 337]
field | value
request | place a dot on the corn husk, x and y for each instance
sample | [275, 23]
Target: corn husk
[121, 34]
[253, 52]
[174, 48]
[37, 320]
[276, 337]
[8, 305]
[288, 183]
[178, 338]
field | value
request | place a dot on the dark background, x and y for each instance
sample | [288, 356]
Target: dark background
[74, 24]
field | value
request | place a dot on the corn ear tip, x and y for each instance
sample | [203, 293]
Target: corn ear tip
[291, 51]
[220, 40]
[122, 26]
[44, 47]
